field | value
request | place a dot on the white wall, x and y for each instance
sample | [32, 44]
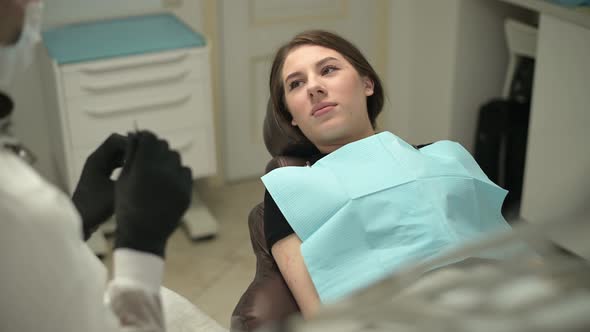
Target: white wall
[446, 59]
[30, 117]
[556, 182]
[422, 50]
[480, 63]
[396, 113]
[434, 47]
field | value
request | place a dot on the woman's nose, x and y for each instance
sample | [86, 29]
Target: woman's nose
[315, 87]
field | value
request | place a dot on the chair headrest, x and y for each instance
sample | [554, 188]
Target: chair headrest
[283, 139]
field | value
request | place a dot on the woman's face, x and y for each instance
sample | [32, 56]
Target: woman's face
[326, 97]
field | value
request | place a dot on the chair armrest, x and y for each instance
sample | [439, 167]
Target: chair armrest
[268, 297]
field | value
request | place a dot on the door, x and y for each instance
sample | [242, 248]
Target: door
[250, 33]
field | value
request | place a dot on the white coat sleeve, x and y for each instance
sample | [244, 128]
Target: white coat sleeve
[133, 294]
[51, 280]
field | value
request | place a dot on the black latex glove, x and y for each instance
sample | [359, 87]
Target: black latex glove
[151, 195]
[94, 196]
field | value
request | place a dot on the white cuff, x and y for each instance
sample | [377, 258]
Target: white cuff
[136, 267]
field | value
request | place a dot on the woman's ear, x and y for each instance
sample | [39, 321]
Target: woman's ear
[369, 86]
[293, 123]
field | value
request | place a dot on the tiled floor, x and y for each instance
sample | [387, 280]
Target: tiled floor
[214, 273]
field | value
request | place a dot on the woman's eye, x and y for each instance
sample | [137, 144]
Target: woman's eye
[294, 84]
[328, 69]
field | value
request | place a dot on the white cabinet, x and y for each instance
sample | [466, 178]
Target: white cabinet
[166, 92]
[114, 76]
[556, 182]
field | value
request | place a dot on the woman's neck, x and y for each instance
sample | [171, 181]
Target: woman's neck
[331, 147]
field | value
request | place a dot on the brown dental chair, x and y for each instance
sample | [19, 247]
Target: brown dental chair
[268, 298]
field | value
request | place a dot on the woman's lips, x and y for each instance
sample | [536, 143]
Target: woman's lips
[323, 110]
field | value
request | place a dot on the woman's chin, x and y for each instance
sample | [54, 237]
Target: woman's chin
[332, 137]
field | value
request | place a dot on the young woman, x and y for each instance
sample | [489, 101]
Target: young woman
[323, 85]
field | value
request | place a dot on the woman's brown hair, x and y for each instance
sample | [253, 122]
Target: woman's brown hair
[332, 41]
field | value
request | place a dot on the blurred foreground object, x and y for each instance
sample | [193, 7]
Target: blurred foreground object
[545, 292]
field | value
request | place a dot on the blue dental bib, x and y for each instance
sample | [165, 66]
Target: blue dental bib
[376, 204]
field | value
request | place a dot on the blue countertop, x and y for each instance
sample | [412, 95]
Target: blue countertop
[119, 37]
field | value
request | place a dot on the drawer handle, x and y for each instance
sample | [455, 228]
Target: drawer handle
[138, 106]
[104, 87]
[105, 68]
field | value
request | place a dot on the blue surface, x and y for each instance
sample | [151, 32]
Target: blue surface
[572, 2]
[119, 37]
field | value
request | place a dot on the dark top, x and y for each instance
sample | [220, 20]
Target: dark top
[276, 226]
[6, 106]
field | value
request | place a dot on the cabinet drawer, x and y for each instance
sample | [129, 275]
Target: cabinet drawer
[92, 119]
[195, 145]
[112, 76]
[197, 149]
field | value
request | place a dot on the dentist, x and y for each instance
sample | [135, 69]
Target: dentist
[50, 279]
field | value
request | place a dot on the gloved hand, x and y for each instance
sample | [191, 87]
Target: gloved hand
[151, 195]
[94, 196]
